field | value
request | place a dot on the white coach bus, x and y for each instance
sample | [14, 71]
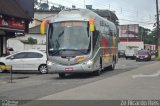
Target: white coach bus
[79, 40]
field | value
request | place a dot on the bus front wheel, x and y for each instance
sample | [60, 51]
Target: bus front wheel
[61, 75]
[98, 72]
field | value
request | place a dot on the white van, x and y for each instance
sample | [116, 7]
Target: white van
[131, 51]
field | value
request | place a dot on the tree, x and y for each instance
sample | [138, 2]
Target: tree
[39, 6]
[144, 35]
[153, 36]
[44, 7]
[61, 7]
[53, 8]
[36, 4]
[57, 9]
[32, 41]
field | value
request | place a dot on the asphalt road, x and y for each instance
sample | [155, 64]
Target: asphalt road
[29, 86]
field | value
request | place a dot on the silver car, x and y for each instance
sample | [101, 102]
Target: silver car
[26, 60]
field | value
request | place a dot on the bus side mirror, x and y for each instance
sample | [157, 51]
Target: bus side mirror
[91, 27]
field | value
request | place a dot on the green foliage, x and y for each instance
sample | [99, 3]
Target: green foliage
[32, 41]
[35, 2]
[38, 6]
[157, 59]
[57, 9]
[153, 37]
[53, 8]
[147, 36]
[44, 6]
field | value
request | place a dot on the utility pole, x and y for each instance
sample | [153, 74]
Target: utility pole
[84, 4]
[127, 32]
[157, 40]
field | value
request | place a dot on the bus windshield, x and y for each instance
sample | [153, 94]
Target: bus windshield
[72, 37]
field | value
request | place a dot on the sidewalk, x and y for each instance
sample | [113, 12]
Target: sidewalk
[141, 83]
[6, 77]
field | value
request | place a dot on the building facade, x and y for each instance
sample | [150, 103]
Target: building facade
[129, 33]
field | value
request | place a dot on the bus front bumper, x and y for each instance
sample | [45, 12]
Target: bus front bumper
[79, 68]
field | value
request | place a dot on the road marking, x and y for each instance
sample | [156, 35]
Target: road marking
[150, 75]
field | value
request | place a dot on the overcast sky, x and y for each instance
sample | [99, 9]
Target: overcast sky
[128, 11]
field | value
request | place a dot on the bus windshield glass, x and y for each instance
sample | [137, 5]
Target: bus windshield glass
[71, 37]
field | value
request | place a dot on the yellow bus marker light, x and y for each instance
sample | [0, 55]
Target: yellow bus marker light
[91, 25]
[43, 27]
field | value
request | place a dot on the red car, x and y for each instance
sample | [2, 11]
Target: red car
[143, 55]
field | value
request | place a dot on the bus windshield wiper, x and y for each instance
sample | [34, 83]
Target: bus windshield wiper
[55, 52]
[82, 51]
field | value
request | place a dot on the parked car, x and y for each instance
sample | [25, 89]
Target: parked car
[26, 60]
[143, 55]
[121, 53]
[153, 52]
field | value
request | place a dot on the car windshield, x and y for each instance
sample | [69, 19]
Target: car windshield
[121, 51]
[68, 36]
[142, 52]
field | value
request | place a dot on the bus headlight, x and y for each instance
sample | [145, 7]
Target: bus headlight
[50, 63]
[90, 62]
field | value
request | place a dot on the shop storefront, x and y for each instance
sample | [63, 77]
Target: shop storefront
[14, 18]
[8, 28]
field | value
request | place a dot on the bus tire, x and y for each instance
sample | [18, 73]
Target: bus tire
[61, 75]
[98, 72]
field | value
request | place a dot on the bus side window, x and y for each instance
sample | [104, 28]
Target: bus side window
[110, 33]
[105, 30]
[95, 37]
[88, 29]
[50, 30]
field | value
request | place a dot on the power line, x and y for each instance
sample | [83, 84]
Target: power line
[127, 13]
[135, 21]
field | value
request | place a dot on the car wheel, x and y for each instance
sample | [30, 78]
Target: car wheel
[43, 69]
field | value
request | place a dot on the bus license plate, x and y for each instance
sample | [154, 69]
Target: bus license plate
[69, 69]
